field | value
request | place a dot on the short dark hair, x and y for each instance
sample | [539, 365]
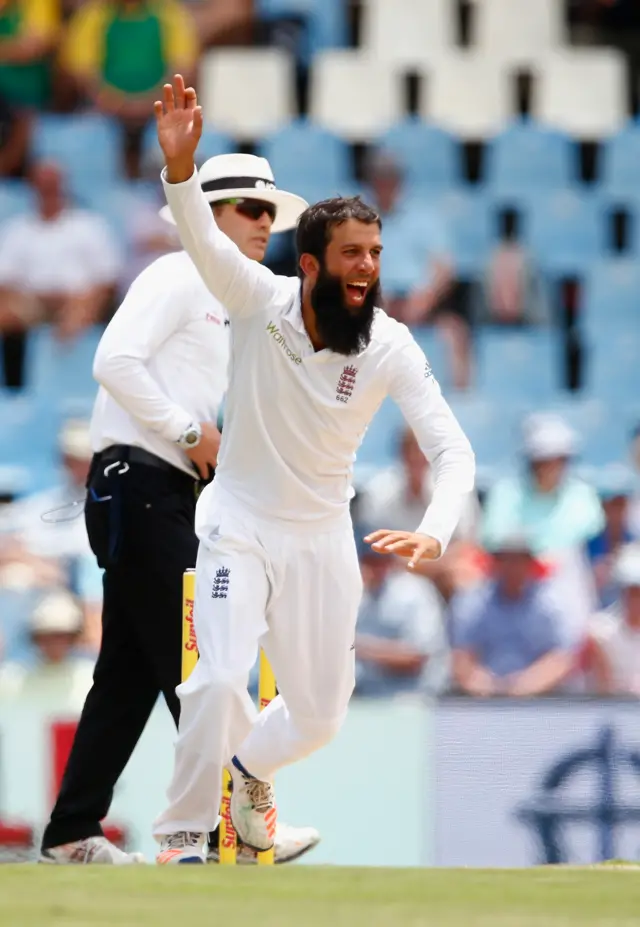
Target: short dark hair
[318, 221]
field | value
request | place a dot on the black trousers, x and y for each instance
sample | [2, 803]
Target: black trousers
[140, 527]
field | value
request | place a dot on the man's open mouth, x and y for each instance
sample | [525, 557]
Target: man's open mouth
[357, 291]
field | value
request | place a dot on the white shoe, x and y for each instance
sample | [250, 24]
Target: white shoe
[90, 850]
[291, 843]
[252, 808]
[181, 847]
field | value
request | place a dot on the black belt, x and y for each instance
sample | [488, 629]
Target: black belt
[127, 453]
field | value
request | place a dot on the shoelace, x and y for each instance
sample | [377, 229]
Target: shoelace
[260, 794]
[182, 840]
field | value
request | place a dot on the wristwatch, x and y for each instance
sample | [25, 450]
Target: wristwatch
[190, 437]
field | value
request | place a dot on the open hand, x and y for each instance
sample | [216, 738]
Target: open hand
[405, 544]
[179, 126]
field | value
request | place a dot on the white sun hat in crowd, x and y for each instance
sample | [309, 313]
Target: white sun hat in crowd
[74, 439]
[231, 176]
[547, 436]
[626, 568]
[56, 613]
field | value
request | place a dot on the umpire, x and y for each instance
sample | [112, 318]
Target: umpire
[162, 368]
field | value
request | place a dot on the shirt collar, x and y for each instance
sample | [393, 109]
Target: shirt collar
[293, 315]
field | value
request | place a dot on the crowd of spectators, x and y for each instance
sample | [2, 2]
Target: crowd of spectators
[538, 593]
[63, 264]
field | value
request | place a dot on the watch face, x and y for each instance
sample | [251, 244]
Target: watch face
[192, 437]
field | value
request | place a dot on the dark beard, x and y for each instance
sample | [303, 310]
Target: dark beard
[343, 329]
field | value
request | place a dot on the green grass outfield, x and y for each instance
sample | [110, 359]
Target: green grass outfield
[308, 896]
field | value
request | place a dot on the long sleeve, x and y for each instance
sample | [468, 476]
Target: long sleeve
[413, 387]
[242, 285]
[151, 312]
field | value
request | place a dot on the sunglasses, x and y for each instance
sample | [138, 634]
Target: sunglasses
[251, 209]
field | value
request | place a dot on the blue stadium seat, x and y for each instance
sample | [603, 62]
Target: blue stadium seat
[493, 430]
[309, 161]
[436, 352]
[630, 204]
[429, 156]
[379, 446]
[61, 372]
[411, 237]
[116, 204]
[16, 198]
[326, 22]
[611, 364]
[471, 224]
[212, 143]
[611, 298]
[519, 365]
[620, 172]
[28, 430]
[89, 147]
[566, 231]
[528, 158]
[602, 429]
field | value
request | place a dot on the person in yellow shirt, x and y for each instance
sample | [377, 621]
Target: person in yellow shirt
[119, 52]
[29, 31]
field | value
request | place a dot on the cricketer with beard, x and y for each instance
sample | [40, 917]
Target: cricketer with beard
[312, 359]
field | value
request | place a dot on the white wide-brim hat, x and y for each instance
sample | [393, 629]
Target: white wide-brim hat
[547, 436]
[56, 613]
[246, 177]
[626, 567]
[74, 439]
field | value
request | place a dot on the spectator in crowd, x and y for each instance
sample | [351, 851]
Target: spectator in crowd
[400, 642]
[399, 495]
[15, 134]
[512, 292]
[55, 671]
[510, 633]
[224, 22]
[418, 277]
[558, 512]
[59, 265]
[56, 550]
[417, 252]
[614, 651]
[29, 31]
[120, 52]
[615, 493]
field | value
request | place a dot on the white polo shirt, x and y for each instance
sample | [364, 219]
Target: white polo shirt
[621, 646]
[162, 362]
[68, 254]
[295, 417]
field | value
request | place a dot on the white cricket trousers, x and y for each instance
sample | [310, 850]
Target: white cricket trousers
[295, 593]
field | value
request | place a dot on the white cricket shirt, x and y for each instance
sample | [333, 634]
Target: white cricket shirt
[162, 362]
[295, 417]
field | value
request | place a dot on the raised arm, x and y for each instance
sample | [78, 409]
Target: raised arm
[242, 285]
